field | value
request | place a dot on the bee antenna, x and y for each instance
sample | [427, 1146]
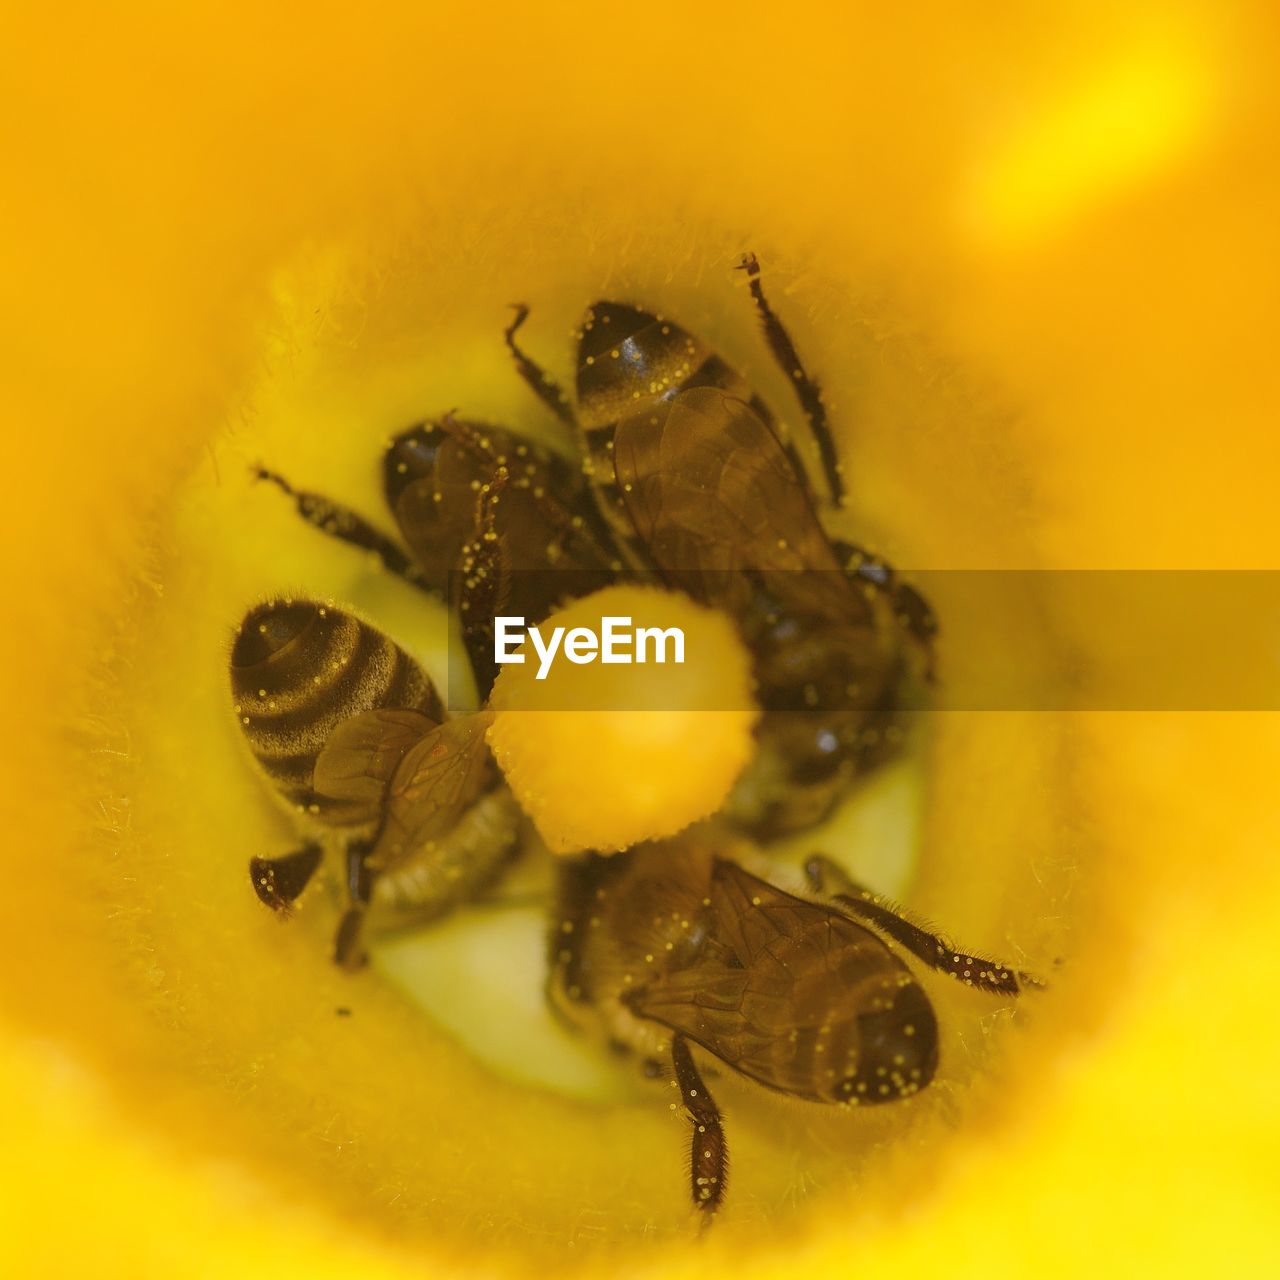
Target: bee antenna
[261, 473]
[522, 314]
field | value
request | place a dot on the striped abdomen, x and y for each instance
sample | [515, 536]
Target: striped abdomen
[299, 668]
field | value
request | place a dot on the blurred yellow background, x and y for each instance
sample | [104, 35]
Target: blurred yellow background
[1075, 203]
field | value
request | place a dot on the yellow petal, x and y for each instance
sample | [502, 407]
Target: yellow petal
[1079, 374]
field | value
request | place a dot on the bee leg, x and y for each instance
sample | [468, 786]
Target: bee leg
[279, 882]
[346, 526]
[807, 390]
[921, 941]
[708, 1154]
[909, 606]
[348, 947]
[540, 382]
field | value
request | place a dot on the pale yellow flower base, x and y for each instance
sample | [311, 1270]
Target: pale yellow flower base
[275, 239]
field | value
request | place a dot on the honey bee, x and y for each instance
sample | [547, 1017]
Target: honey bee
[348, 727]
[694, 478]
[488, 517]
[350, 733]
[678, 952]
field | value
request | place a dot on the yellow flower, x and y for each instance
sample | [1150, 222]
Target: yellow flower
[1032, 256]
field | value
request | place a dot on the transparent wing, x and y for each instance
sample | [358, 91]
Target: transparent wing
[362, 754]
[742, 971]
[712, 493]
[782, 982]
[546, 515]
[438, 779]
[435, 501]
[498, 524]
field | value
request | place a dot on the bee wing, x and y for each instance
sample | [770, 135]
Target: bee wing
[546, 514]
[781, 976]
[498, 524]
[761, 923]
[362, 754]
[733, 1000]
[436, 511]
[709, 489]
[437, 781]
[704, 1002]
[752, 915]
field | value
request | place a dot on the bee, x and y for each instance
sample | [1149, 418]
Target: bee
[679, 952]
[349, 729]
[695, 479]
[489, 518]
[350, 733]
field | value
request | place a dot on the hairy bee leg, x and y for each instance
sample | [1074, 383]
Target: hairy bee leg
[807, 390]
[348, 948]
[279, 882]
[345, 525]
[974, 971]
[708, 1154]
[910, 608]
[540, 382]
